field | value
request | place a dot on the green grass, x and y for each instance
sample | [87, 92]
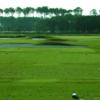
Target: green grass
[18, 40]
[50, 73]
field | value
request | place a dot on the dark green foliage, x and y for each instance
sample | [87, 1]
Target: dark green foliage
[19, 11]
[59, 24]
[16, 24]
[49, 20]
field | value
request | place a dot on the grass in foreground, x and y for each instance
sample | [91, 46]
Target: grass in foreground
[49, 73]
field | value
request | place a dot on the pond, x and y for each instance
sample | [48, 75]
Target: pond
[30, 45]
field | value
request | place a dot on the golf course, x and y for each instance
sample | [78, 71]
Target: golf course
[50, 68]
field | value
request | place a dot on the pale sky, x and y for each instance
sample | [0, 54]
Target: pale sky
[86, 5]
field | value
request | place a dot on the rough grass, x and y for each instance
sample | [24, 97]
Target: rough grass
[50, 73]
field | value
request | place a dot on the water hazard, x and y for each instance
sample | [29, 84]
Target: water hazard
[30, 45]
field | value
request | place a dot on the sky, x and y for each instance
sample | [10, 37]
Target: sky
[86, 5]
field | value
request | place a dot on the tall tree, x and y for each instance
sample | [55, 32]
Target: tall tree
[62, 11]
[51, 12]
[69, 12]
[56, 12]
[6, 10]
[32, 10]
[39, 11]
[93, 12]
[11, 11]
[26, 11]
[19, 10]
[78, 11]
[1, 12]
[43, 11]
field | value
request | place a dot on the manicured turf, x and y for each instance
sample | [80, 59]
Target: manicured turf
[51, 73]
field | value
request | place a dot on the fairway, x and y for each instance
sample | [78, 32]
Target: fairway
[43, 73]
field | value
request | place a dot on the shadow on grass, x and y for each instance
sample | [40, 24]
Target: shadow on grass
[55, 41]
[56, 44]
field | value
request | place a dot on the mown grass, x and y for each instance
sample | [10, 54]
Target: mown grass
[17, 40]
[89, 41]
[50, 73]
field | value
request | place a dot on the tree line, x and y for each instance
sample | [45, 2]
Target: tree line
[49, 20]
[44, 11]
[41, 11]
[56, 24]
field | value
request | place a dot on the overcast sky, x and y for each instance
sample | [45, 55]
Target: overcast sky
[87, 5]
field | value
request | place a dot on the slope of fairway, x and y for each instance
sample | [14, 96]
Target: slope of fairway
[49, 73]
